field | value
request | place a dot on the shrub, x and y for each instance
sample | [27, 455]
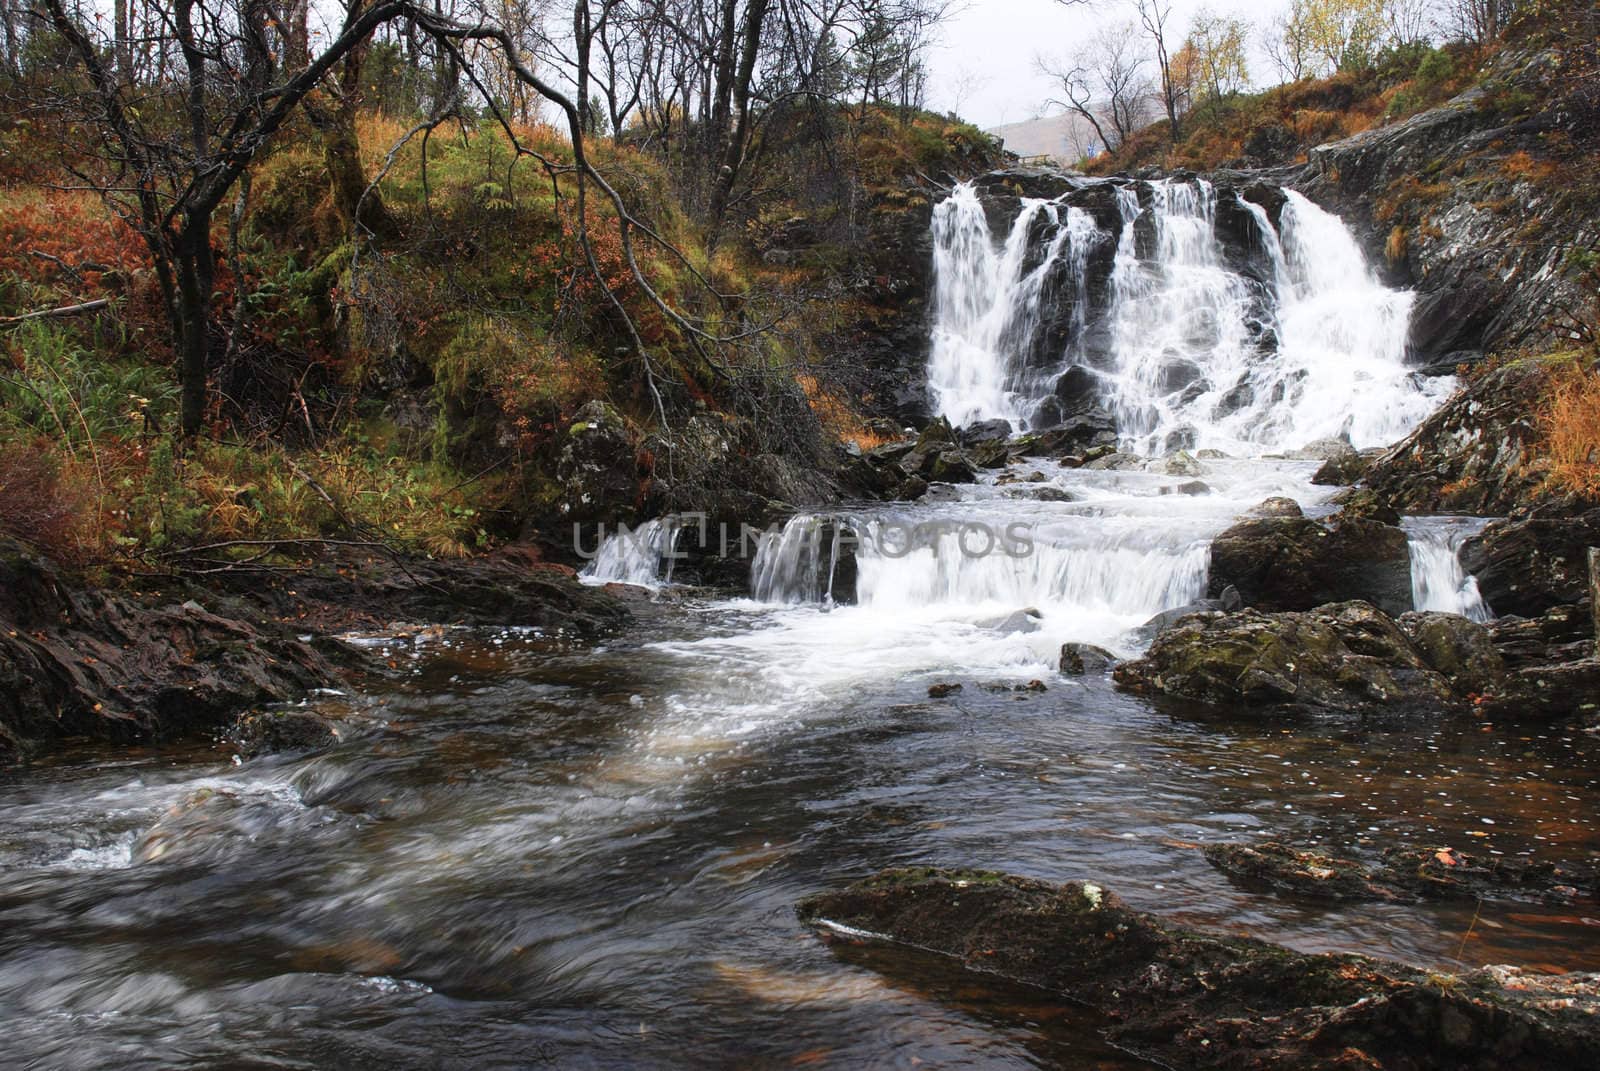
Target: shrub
[43, 505]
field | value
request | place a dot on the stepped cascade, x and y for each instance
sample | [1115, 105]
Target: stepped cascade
[1242, 320]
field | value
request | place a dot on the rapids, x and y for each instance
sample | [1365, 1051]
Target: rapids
[526, 852]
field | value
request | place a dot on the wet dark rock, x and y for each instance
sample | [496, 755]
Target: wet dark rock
[1345, 657]
[1167, 618]
[180, 659]
[952, 466]
[600, 470]
[1461, 649]
[1042, 493]
[1238, 397]
[1450, 874]
[1078, 659]
[1551, 692]
[1176, 375]
[985, 431]
[1116, 461]
[995, 454]
[1182, 437]
[271, 731]
[937, 432]
[1078, 391]
[1074, 436]
[1296, 872]
[91, 663]
[1192, 487]
[1343, 468]
[1402, 874]
[1475, 454]
[1277, 506]
[1295, 563]
[912, 489]
[1560, 634]
[1196, 1000]
[942, 691]
[1359, 503]
[1526, 566]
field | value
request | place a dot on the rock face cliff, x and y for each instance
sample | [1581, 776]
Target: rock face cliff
[1476, 205]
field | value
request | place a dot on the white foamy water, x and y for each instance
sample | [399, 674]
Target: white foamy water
[986, 302]
[1438, 582]
[641, 555]
[1193, 351]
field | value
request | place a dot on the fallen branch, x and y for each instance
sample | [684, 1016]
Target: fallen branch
[65, 310]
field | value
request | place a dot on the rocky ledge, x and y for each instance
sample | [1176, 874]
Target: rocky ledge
[1352, 658]
[178, 658]
[1196, 1000]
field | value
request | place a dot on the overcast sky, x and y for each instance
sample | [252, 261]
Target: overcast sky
[983, 64]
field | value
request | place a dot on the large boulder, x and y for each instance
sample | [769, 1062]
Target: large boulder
[1528, 565]
[1457, 647]
[1346, 657]
[1284, 562]
[1190, 999]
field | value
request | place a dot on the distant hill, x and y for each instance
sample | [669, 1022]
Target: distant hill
[1066, 137]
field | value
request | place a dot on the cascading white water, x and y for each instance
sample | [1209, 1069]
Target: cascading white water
[1195, 352]
[642, 556]
[798, 563]
[987, 305]
[1438, 581]
[1085, 565]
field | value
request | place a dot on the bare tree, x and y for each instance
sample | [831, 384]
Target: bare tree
[1155, 17]
[1104, 84]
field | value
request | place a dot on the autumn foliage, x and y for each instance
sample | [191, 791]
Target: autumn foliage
[1570, 421]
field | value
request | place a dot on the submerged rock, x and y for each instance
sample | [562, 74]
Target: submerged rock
[1402, 874]
[1197, 1000]
[266, 732]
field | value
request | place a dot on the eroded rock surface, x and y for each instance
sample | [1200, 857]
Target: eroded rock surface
[1197, 1000]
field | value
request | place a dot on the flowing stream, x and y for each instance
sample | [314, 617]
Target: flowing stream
[527, 852]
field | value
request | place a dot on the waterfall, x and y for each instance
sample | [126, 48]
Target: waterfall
[1438, 582]
[1215, 327]
[1074, 565]
[641, 556]
[799, 563]
[987, 304]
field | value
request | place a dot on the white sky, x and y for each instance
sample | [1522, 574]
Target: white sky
[982, 65]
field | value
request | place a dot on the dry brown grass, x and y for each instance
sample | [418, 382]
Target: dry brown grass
[45, 503]
[1570, 420]
[838, 418]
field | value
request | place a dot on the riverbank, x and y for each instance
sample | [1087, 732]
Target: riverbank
[164, 657]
